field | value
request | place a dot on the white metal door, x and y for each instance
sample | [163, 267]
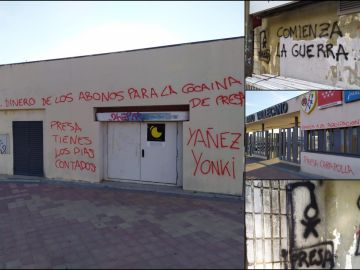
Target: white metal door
[124, 151]
[159, 151]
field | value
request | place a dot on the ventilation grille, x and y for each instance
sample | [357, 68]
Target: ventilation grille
[347, 7]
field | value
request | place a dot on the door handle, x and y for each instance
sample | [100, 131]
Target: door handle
[142, 153]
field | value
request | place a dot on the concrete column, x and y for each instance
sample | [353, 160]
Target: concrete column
[295, 145]
[284, 144]
[305, 140]
[272, 142]
[288, 156]
[263, 139]
[267, 144]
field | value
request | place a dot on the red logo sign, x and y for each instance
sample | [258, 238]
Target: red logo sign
[329, 98]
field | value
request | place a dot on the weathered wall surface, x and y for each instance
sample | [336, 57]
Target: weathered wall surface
[312, 43]
[208, 76]
[342, 199]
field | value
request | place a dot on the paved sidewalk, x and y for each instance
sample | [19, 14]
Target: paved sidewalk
[257, 168]
[72, 226]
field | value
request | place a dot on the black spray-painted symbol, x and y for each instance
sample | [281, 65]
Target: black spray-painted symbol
[311, 213]
[320, 254]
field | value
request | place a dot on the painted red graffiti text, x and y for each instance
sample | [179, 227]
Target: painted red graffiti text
[199, 102]
[310, 161]
[67, 98]
[215, 167]
[75, 165]
[216, 85]
[209, 139]
[144, 93]
[344, 123]
[19, 102]
[328, 165]
[76, 148]
[340, 168]
[102, 96]
[77, 140]
[79, 151]
[46, 101]
[232, 99]
[65, 126]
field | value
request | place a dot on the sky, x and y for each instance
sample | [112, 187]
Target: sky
[258, 100]
[256, 6]
[39, 30]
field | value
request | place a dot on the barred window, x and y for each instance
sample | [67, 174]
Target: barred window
[344, 141]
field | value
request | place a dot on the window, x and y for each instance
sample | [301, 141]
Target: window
[354, 140]
[316, 140]
[313, 140]
[336, 141]
[329, 143]
[342, 140]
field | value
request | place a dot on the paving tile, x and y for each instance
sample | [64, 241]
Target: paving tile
[59, 227]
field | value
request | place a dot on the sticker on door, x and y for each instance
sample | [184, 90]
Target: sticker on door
[156, 132]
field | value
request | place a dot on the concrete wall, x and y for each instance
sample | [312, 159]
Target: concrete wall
[342, 199]
[345, 115]
[296, 43]
[65, 90]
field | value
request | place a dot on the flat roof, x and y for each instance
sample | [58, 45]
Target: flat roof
[117, 52]
[275, 82]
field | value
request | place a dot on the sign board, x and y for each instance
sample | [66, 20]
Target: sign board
[351, 95]
[329, 98]
[277, 109]
[250, 118]
[142, 116]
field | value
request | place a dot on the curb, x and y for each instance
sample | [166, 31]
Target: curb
[299, 173]
[131, 187]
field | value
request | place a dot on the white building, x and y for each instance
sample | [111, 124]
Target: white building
[171, 115]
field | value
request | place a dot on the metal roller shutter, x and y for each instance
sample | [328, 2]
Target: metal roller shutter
[28, 148]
